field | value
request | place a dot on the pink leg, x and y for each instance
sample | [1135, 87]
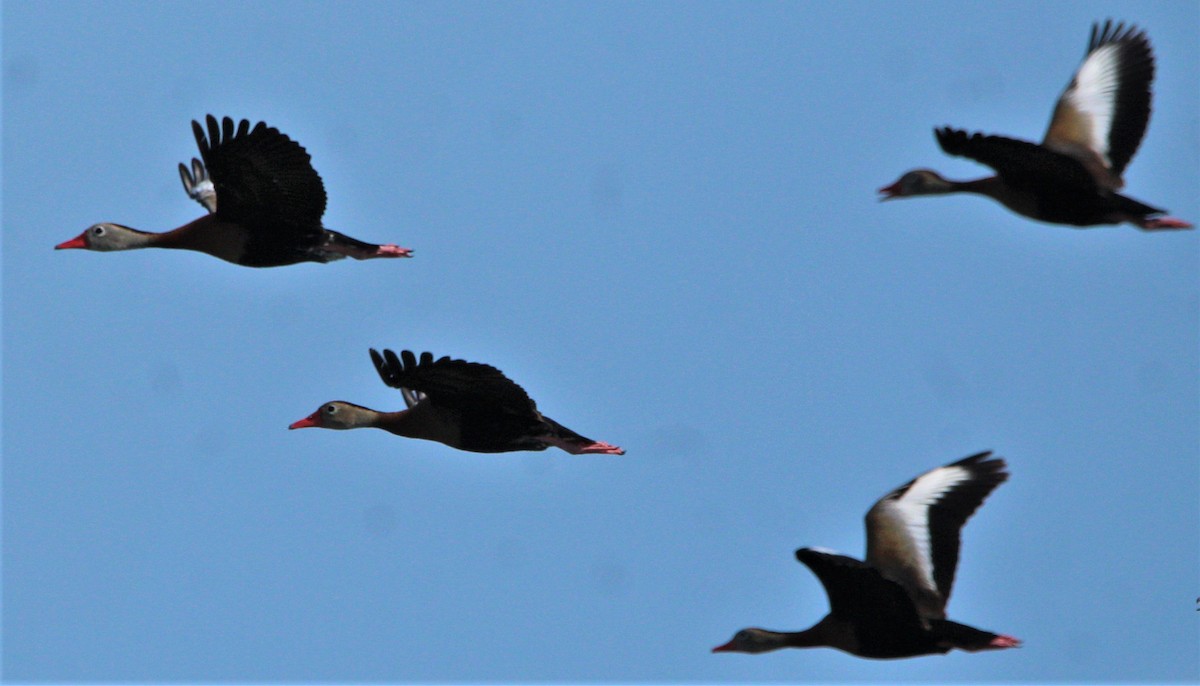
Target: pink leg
[599, 447]
[390, 250]
[366, 253]
[1160, 223]
[1005, 642]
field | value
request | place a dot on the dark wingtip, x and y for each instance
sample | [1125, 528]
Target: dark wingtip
[406, 356]
[971, 459]
[1118, 32]
[983, 457]
[385, 364]
[953, 141]
[198, 132]
[214, 130]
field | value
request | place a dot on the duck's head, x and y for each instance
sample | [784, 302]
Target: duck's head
[338, 414]
[750, 640]
[106, 237]
[916, 182]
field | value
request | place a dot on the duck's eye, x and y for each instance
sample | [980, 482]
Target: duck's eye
[330, 409]
[97, 230]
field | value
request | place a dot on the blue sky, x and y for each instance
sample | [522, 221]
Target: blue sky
[660, 219]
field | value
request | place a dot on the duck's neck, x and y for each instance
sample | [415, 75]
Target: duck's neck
[400, 423]
[1021, 201]
[129, 238]
[827, 633]
[423, 420]
[990, 186]
[207, 235]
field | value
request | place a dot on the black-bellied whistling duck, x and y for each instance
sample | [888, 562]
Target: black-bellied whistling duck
[264, 199]
[466, 405]
[894, 604]
[1074, 175]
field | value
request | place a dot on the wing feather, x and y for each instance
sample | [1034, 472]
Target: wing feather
[197, 184]
[468, 386]
[1101, 117]
[262, 178]
[1020, 163]
[860, 594]
[913, 533]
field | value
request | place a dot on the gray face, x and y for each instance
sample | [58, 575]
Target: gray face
[342, 415]
[337, 415]
[105, 237]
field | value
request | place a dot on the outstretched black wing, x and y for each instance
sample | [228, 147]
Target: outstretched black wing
[858, 593]
[1020, 163]
[263, 179]
[467, 386]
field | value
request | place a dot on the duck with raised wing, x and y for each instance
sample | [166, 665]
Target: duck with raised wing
[1073, 176]
[894, 604]
[465, 405]
[264, 200]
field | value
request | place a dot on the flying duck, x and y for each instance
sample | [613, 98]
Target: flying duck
[894, 604]
[465, 405]
[264, 202]
[1073, 176]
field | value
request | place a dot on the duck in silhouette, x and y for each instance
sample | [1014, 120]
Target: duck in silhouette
[894, 604]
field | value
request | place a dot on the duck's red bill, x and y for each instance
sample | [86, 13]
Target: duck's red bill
[76, 242]
[890, 192]
[311, 420]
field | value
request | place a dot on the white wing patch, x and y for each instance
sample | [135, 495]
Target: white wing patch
[411, 397]
[1093, 94]
[198, 185]
[911, 510]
